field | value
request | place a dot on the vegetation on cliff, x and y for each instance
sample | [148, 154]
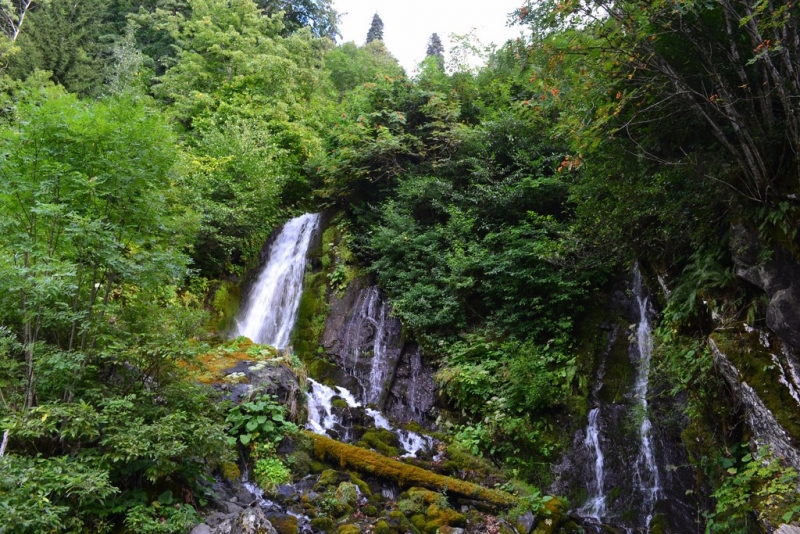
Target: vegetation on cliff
[150, 148]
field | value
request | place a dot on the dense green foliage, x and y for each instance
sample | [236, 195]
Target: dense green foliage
[150, 148]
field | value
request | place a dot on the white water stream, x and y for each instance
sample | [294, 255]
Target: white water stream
[595, 506]
[270, 312]
[646, 478]
[321, 417]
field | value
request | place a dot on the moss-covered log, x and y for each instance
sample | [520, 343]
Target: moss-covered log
[366, 461]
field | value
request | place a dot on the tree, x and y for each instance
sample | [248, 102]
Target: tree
[13, 13]
[436, 49]
[317, 15]
[731, 64]
[375, 32]
[250, 101]
[351, 66]
[64, 38]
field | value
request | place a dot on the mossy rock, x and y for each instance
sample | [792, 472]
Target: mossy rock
[398, 521]
[300, 463]
[618, 375]
[379, 466]
[460, 459]
[323, 523]
[330, 477]
[370, 510]
[419, 521]
[230, 471]
[347, 493]
[427, 496]
[554, 512]
[363, 486]
[438, 516]
[284, 524]
[417, 500]
[381, 440]
[349, 529]
[318, 467]
[382, 527]
[225, 302]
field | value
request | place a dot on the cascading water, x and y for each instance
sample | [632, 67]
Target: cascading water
[368, 328]
[271, 309]
[323, 420]
[595, 506]
[646, 478]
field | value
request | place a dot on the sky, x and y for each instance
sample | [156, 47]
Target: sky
[408, 24]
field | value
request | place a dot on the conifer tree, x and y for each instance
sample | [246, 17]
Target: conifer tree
[375, 32]
[436, 49]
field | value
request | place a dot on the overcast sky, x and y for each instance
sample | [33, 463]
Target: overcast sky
[408, 24]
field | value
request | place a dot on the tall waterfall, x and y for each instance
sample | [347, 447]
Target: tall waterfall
[646, 476]
[270, 312]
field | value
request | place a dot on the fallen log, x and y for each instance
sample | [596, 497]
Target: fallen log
[405, 475]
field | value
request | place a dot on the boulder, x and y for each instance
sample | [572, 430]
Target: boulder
[249, 521]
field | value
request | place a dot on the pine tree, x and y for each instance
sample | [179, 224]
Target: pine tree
[436, 49]
[375, 32]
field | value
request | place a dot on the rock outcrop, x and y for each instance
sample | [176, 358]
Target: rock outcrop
[367, 342]
[777, 274]
[762, 422]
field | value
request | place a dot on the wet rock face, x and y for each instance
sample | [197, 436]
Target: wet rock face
[366, 341]
[778, 277]
[626, 501]
[762, 422]
[413, 394]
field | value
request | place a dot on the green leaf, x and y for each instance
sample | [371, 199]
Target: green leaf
[245, 439]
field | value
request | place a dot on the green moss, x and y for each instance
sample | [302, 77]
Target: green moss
[404, 475]
[347, 493]
[419, 521]
[554, 513]
[328, 478]
[618, 375]
[230, 471]
[383, 441]
[460, 459]
[370, 510]
[382, 527]
[300, 463]
[322, 523]
[757, 368]
[363, 486]
[349, 529]
[438, 516]
[284, 524]
[318, 467]
[225, 302]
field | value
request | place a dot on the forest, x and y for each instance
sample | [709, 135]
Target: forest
[149, 149]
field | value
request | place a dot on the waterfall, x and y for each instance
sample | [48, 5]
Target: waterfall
[596, 504]
[270, 312]
[322, 418]
[646, 478]
[369, 328]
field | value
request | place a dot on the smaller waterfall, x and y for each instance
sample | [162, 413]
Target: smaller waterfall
[320, 406]
[646, 478]
[369, 329]
[321, 418]
[271, 308]
[596, 504]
